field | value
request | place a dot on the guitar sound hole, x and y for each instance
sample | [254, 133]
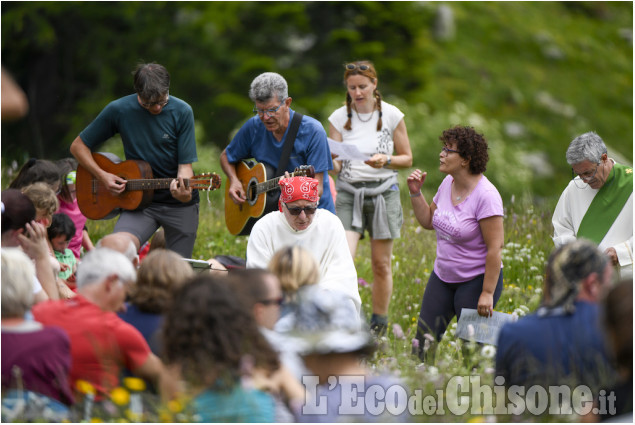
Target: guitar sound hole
[251, 193]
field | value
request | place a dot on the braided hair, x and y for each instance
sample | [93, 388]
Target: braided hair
[372, 75]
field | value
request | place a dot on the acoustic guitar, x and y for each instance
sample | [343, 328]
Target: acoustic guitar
[97, 202]
[241, 218]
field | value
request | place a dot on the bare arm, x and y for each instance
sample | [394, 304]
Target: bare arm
[177, 188]
[403, 152]
[84, 156]
[423, 211]
[86, 242]
[337, 136]
[493, 235]
[35, 245]
[151, 370]
[320, 178]
[236, 190]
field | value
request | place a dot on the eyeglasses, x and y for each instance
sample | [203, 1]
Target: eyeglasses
[161, 103]
[268, 112]
[298, 210]
[353, 66]
[584, 177]
[275, 301]
[587, 175]
[448, 150]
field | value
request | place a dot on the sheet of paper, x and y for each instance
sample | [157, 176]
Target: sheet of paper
[346, 151]
[473, 327]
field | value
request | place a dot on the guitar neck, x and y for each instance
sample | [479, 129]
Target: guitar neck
[147, 184]
[273, 183]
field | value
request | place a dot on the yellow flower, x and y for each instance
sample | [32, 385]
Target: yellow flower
[165, 416]
[476, 420]
[96, 420]
[134, 384]
[133, 416]
[175, 406]
[84, 387]
[120, 396]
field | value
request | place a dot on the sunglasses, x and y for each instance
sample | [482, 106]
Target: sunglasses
[352, 66]
[298, 210]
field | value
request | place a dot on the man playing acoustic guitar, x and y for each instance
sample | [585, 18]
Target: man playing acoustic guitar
[263, 137]
[159, 129]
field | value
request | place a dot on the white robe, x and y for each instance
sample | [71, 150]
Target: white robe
[325, 238]
[573, 205]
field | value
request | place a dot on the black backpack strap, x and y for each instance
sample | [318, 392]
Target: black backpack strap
[288, 144]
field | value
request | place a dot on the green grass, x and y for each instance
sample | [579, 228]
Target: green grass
[527, 245]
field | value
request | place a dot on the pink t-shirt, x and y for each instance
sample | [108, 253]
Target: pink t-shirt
[72, 210]
[461, 249]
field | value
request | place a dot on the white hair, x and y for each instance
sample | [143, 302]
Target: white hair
[588, 146]
[100, 263]
[268, 85]
[115, 241]
[18, 274]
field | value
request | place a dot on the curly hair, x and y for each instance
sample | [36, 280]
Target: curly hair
[470, 144]
[210, 334]
[295, 267]
[161, 273]
[43, 198]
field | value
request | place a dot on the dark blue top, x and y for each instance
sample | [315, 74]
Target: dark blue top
[554, 349]
[164, 140]
[310, 148]
[149, 324]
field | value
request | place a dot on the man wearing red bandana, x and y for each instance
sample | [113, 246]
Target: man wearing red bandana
[300, 222]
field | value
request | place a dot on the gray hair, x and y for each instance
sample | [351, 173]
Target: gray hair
[100, 263]
[567, 267]
[268, 85]
[588, 146]
[18, 274]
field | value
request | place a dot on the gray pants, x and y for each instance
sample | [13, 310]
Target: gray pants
[180, 224]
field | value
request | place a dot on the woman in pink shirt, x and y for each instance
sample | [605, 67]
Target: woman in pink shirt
[467, 214]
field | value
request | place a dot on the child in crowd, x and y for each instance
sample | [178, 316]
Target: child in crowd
[46, 204]
[68, 205]
[60, 232]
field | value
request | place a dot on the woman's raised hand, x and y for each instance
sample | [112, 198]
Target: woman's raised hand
[415, 181]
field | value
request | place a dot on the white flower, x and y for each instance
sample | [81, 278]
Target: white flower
[488, 351]
[433, 372]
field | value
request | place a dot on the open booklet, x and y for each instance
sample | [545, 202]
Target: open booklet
[473, 327]
[344, 151]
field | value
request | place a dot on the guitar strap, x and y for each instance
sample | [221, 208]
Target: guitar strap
[288, 144]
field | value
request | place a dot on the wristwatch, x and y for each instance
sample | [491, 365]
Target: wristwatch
[388, 160]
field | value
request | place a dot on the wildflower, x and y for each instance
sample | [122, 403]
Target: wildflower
[417, 281]
[397, 331]
[488, 351]
[415, 342]
[418, 229]
[362, 282]
[489, 370]
[433, 372]
[134, 384]
[428, 337]
[84, 387]
[120, 396]
[96, 420]
[175, 406]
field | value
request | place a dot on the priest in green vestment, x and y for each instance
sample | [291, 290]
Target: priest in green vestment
[598, 203]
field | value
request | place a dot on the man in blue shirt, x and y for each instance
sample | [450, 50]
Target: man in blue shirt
[562, 342]
[159, 129]
[263, 136]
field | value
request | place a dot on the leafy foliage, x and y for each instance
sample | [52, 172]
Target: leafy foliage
[508, 62]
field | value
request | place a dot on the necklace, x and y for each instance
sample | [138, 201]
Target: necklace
[369, 118]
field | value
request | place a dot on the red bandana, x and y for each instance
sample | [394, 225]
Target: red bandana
[295, 188]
